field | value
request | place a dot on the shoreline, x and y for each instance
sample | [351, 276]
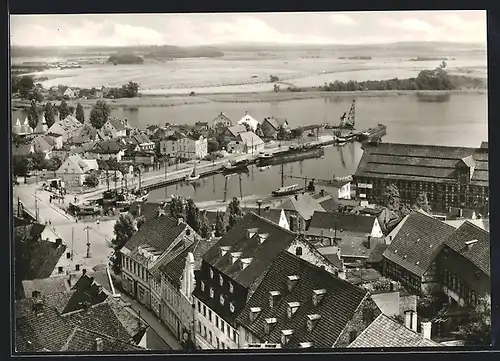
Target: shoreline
[160, 100]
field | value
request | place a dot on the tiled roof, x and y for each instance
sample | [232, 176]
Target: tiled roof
[41, 258]
[421, 162]
[174, 269]
[329, 205]
[200, 248]
[276, 123]
[385, 332]
[416, 244]
[376, 254]
[117, 124]
[262, 254]
[158, 232]
[334, 259]
[235, 130]
[362, 275]
[345, 222]
[303, 204]
[483, 223]
[335, 309]
[107, 146]
[271, 214]
[140, 138]
[479, 252]
[250, 139]
[50, 140]
[223, 116]
[46, 286]
[85, 340]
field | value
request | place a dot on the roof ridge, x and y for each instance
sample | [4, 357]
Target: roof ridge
[272, 223]
[421, 145]
[68, 340]
[425, 214]
[467, 221]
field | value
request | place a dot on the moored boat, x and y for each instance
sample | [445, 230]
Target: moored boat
[287, 190]
[193, 176]
[235, 166]
[265, 156]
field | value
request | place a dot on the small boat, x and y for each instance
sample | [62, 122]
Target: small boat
[235, 166]
[193, 176]
[341, 140]
[288, 190]
[265, 155]
[311, 135]
[266, 167]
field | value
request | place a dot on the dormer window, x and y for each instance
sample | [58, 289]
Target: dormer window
[202, 286]
[305, 345]
[235, 256]
[222, 300]
[312, 320]
[211, 292]
[221, 280]
[292, 281]
[254, 313]
[231, 307]
[231, 288]
[251, 232]
[292, 308]
[318, 296]
[211, 273]
[263, 237]
[245, 262]
[224, 250]
[273, 298]
[285, 336]
[270, 323]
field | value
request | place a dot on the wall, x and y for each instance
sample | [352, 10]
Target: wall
[246, 337]
[430, 280]
[357, 323]
[388, 302]
[376, 230]
[170, 310]
[138, 275]
[311, 255]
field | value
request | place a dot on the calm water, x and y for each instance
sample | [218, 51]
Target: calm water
[462, 121]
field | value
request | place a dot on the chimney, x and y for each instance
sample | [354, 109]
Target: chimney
[322, 192]
[273, 298]
[58, 242]
[254, 313]
[291, 282]
[235, 256]
[98, 344]
[139, 210]
[179, 221]
[469, 244]
[318, 296]
[84, 272]
[426, 330]
[296, 197]
[263, 237]
[408, 319]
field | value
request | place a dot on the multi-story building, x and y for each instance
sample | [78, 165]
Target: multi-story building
[299, 305]
[115, 128]
[67, 127]
[232, 269]
[157, 242]
[411, 255]
[184, 146]
[221, 121]
[271, 126]
[451, 176]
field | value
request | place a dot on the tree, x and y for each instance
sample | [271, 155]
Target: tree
[20, 165]
[273, 79]
[212, 146]
[140, 221]
[50, 116]
[193, 215]
[235, 212]
[25, 85]
[296, 133]
[39, 161]
[258, 131]
[71, 110]
[80, 115]
[124, 229]
[99, 114]
[132, 89]
[422, 203]
[205, 228]
[276, 88]
[54, 164]
[220, 228]
[92, 180]
[391, 198]
[35, 95]
[64, 110]
[176, 207]
[443, 64]
[33, 115]
[385, 284]
[478, 330]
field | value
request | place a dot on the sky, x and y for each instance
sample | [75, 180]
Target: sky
[216, 28]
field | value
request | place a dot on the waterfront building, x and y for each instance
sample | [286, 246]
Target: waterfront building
[221, 121]
[184, 146]
[299, 305]
[451, 176]
[274, 215]
[229, 134]
[251, 142]
[142, 141]
[299, 210]
[249, 121]
[41, 145]
[157, 242]
[106, 150]
[271, 126]
[232, 269]
[410, 257]
[74, 170]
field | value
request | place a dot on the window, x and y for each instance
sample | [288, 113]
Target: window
[211, 273]
[77, 267]
[221, 300]
[210, 315]
[231, 288]
[367, 316]
[218, 342]
[204, 311]
[231, 307]
[223, 326]
[199, 307]
[202, 286]
[68, 255]
[217, 321]
[221, 280]
[211, 292]
[199, 327]
[205, 331]
[246, 337]
[352, 336]
[60, 269]
[298, 251]
[210, 336]
[233, 334]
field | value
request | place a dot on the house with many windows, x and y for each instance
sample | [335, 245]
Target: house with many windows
[184, 146]
[231, 271]
[299, 305]
[411, 255]
[157, 242]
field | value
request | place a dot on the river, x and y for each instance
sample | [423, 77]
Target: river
[461, 121]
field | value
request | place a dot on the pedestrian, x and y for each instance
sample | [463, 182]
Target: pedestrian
[98, 222]
[50, 222]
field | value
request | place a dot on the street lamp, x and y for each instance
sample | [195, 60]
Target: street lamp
[259, 203]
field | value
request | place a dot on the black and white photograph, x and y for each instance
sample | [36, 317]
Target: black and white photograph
[249, 181]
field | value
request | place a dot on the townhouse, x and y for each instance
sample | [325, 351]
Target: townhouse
[270, 126]
[74, 170]
[66, 128]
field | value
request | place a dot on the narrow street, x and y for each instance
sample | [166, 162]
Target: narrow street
[161, 330]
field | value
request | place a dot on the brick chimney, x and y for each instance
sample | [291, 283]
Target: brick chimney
[99, 344]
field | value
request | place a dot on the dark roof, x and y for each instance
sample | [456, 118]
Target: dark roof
[361, 276]
[335, 309]
[386, 332]
[376, 254]
[276, 123]
[235, 130]
[140, 138]
[478, 253]
[303, 204]
[152, 127]
[174, 269]
[41, 258]
[200, 248]
[330, 205]
[346, 222]
[484, 145]
[271, 214]
[421, 162]
[117, 124]
[416, 244]
[85, 340]
[107, 146]
[158, 232]
[262, 254]
[334, 259]
[46, 286]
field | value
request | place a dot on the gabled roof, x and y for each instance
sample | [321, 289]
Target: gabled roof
[108, 146]
[479, 252]
[416, 244]
[335, 309]
[342, 221]
[45, 286]
[40, 144]
[84, 340]
[248, 119]
[421, 162]
[50, 140]
[174, 269]
[262, 254]
[236, 129]
[117, 124]
[158, 233]
[222, 116]
[303, 204]
[271, 214]
[386, 332]
[250, 139]
[276, 123]
[140, 138]
[329, 205]
[41, 258]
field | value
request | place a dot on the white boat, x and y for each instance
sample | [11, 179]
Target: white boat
[193, 176]
[266, 167]
[341, 141]
[265, 155]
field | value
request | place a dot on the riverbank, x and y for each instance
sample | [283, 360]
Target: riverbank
[249, 97]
